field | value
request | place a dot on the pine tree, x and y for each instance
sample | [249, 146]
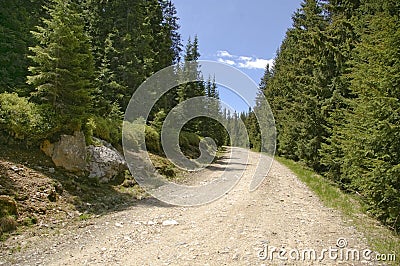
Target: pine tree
[145, 40]
[109, 92]
[17, 19]
[63, 69]
[370, 138]
[170, 33]
[253, 130]
[169, 45]
[298, 87]
[262, 126]
[210, 127]
[340, 38]
[188, 71]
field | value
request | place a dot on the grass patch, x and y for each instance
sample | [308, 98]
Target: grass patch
[380, 238]
[84, 216]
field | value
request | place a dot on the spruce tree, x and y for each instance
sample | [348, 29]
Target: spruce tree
[370, 137]
[210, 127]
[189, 70]
[109, 92]
[63, 64]
[298, 88]
[340, 38]
[17, 19]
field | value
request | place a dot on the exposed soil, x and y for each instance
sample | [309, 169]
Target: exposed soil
[48, 197]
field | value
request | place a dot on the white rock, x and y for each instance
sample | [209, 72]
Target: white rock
[16, 168]
[170, 222]
[104, 162]
[119, 225]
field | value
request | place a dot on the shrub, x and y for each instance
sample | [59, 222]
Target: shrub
[134, 134]
[8, 214]
[109, 127]
[7, 224]
[189, 144]
[187, 139]
[23, 120]
[152, 140]
[106, 129]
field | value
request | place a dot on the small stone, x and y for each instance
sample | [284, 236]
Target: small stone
[119, 225]
[170, 222]
[52, 170]
[16, 168]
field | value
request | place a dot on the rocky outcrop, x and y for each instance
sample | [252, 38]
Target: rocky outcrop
[104, 162]
[70, 152]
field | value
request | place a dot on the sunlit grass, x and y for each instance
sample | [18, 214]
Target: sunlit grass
[380, 238]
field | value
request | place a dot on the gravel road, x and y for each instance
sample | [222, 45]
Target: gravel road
[240, 228]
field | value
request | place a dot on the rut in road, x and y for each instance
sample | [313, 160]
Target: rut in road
[232, 230]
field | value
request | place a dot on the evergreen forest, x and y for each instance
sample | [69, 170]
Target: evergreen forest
[334, 87]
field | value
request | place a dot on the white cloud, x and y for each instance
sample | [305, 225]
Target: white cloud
[227, 61]
[245, 58]
[242, 61]
[224, 54]
[256, 63]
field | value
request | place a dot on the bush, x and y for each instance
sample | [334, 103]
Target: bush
[8, 214]
[7, 224]
[106, 129]
[134, 136]
[189, 144]
[152, 140]
[187, 139]
[19, 118]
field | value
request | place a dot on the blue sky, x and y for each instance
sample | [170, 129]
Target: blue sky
[245, 34]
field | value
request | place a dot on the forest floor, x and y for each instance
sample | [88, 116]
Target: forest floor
[241, 228]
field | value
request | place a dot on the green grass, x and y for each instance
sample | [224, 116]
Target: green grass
[84, 216]
[380, 238]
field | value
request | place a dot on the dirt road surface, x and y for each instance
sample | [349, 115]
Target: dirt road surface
[241, 228]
